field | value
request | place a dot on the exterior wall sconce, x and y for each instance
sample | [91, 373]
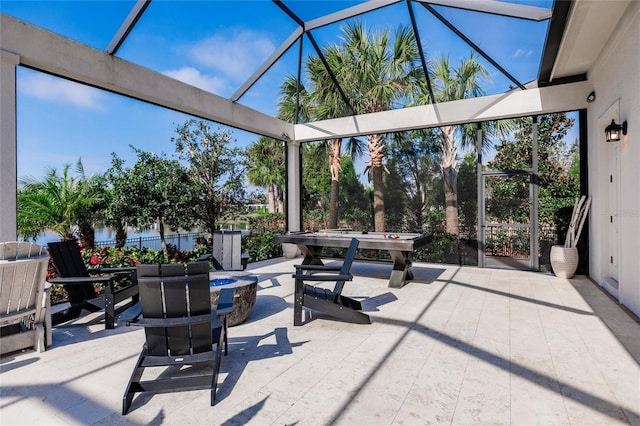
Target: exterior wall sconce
[612, 131]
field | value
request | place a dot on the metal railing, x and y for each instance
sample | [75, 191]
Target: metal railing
[185, 241]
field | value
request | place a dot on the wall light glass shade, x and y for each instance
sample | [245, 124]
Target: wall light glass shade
[613, 132]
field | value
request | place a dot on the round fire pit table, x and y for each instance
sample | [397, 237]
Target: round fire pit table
[244, 297]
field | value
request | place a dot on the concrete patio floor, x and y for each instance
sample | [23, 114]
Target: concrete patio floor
[455, 346]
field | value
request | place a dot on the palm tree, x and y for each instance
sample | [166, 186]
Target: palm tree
[376, 72]
[266, 169]
[329, 104]
[374, 75]
[450, 84]
[92, 211]
[61, 203]
[321, 103]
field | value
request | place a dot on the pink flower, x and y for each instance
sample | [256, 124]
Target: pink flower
[94, 260]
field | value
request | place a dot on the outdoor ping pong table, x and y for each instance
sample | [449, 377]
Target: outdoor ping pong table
[399, 245]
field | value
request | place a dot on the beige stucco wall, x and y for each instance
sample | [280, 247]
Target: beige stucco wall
[615, 77]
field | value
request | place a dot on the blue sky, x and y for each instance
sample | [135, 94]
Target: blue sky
[214, 45]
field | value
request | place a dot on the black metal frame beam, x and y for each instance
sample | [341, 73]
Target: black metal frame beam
[483, 6]
[296, 117]
[553, 41]
[289, 12]
[266, 66]
[348, 13]
[300, 22]
[416, 34]
[500, 8]
[473, 45]
[331, 74]
[126, 27]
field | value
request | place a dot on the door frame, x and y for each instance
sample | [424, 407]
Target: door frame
[610, 256]
[534, 261]
[529, 263]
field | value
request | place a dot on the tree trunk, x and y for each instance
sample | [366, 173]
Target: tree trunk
[87, 237]
[449, 166]
[121, 236]
[271, 199]
[378, 200]
[280, 200]
[163, 243]
[450, 177]
[334, 167]
[333, 207]
[376, 152]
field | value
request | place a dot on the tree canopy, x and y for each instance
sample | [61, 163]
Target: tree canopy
[65, 203]
[215, 172]
[155, 191]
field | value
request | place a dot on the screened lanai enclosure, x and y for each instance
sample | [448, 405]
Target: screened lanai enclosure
[515, 194]
[457, 181]
[393, 115]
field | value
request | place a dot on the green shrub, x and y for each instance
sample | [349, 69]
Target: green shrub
[260, 243]
[273, 222]
[116, 257]
[442, 249]
[261, 246]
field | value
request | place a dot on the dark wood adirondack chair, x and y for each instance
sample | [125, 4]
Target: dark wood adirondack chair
[78, 281]
[322, 299]
[23, 304]
[180, 328]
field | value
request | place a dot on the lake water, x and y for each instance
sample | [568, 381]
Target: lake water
[149, 239]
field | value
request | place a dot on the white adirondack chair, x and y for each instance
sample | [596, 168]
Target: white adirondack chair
[24, 304]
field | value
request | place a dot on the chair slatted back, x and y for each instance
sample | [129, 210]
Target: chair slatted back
[14, 250]
[68, 262]
[346, 265]
[67, 258]
[170, 291]
[23, 271]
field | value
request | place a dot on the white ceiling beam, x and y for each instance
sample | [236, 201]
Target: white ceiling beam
[517, 103]
[51, 53]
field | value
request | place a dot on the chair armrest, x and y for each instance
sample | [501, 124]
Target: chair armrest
[318, 267]
[9, 318]
[323, 277]
[126, 269]
[225, 301]
[131, 315]
[119, 271]
[174, 322]
[204, 257]
[82, 280]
